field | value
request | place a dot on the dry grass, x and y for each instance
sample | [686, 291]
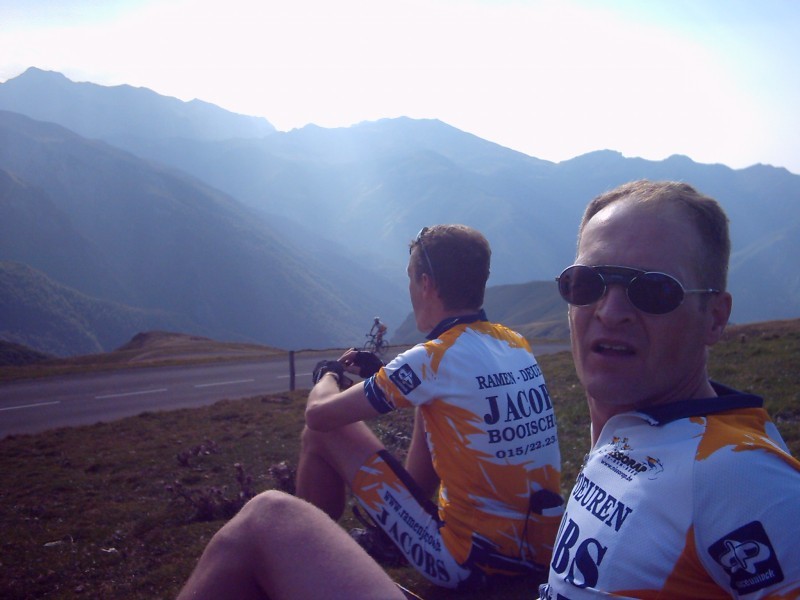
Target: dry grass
[88, 511]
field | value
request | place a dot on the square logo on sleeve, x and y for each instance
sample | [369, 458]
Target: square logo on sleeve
[405, 379]
[748, 557]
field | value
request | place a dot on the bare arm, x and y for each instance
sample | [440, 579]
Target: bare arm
[328, 408]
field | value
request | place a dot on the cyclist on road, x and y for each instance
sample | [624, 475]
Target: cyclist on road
[376, 333]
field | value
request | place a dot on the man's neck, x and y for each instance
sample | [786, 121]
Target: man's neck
[450, 318]
[601, 412]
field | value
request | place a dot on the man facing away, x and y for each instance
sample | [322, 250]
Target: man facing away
[688, 490]
[484, 435]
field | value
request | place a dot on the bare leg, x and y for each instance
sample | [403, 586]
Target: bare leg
[281, 547]
[329, 461]
[317, 481]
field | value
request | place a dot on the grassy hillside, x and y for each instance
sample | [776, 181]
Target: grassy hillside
[111, 510]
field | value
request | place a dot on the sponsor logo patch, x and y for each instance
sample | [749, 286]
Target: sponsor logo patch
[748, 557]
[405, 379]
[617, 457]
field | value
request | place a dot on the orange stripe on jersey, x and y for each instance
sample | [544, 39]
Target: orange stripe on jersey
[439, 348]
[725, 430]
[688, 578]
[502, 333]
[687, 581]
[373, 472]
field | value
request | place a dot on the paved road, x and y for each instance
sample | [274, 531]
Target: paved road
[42, 404]
[37, 405]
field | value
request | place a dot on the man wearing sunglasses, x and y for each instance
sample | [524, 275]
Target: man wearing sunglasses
[688, 490]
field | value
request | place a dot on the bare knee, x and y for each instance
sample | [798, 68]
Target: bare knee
[330, 460]
[263, 510]
[345, 446]
[263, 518]
[239, 561]
[326, 446]
[313, 442]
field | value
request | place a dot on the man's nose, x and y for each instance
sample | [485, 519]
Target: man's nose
[614, 305]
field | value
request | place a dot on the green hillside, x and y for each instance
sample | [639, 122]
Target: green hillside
[53, 318]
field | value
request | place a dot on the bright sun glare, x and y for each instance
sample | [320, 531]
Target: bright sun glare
[551, 79]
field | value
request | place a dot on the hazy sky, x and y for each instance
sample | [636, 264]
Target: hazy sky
[716, 80]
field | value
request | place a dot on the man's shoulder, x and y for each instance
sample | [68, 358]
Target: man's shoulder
[502, 327]
[482, 330]
[504, 332]
[748, 427]
[484, 325]
[743, 449]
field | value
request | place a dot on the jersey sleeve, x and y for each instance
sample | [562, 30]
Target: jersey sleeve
[406, 381]
[746, 514]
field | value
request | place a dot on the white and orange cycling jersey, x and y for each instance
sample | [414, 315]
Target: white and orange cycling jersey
[698, 499]
[491, 430]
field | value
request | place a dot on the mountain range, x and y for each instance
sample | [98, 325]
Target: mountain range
[185, 216]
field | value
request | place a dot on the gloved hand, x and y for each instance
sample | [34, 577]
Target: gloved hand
[368, 364]
[328, 366]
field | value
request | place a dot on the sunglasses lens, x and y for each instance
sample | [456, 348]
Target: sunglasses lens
[655, 293]
[580, 285]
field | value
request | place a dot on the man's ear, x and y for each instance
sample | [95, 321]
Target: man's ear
[428, 286]
[719, 311]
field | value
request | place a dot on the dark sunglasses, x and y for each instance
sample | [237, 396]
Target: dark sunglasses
[649, 291]
[418, 242]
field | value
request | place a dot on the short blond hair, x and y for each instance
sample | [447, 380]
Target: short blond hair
[708, 217]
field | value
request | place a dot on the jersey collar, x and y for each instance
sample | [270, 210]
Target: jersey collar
[453, 321]
[727, 399]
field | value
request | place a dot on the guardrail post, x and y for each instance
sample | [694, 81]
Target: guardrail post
[291, 370]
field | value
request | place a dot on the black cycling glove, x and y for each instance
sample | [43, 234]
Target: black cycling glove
[328, 366]
[368, 364]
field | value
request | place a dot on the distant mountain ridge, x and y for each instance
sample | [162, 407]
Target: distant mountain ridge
[100, 112]
[377, 183]
[376, 194]
[299, 238]
[119, 229]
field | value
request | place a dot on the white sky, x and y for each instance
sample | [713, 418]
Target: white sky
[716, 80]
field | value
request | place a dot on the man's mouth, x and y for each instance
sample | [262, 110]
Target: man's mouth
[613, 349]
